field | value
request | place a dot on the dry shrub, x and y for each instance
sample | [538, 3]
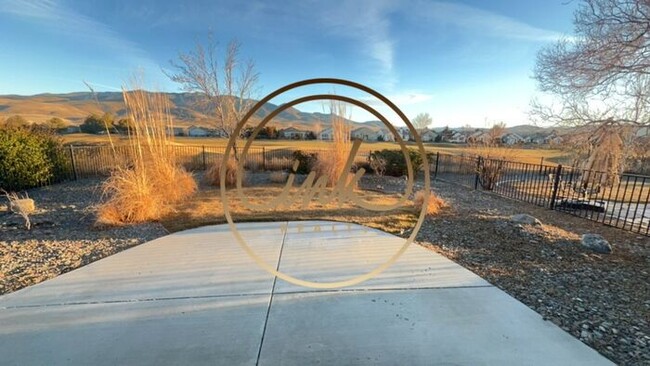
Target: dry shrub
[213, 174]
[23, 206]
[492, 164]
[434, 205]
[278, 177]
[147, 181]
[278, 163]
[331, 162]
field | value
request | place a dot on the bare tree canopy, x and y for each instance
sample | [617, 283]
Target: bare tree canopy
[224, 90]
[602, 74]
[422, 121]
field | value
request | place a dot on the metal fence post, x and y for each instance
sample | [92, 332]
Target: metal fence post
[263, 158]
[478, 171]
[435, 173]
[205, 165]
[74, 163]
[556, 185]
[541, 166]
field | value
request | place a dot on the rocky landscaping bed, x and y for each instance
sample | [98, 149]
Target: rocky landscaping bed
[602, 299]
[62, 235]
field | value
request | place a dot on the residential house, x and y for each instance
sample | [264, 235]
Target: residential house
[70, 129]
[326, 134]
[216, 132]
[428, 135]
[364, 133]
[196, 131]
[176, 131]
[537, 138]
[512, 139]
[479, 137]
[385, 135]
[404, 133]
[293, 133]
[457, 138]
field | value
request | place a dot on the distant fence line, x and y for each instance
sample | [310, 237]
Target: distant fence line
[624, 204]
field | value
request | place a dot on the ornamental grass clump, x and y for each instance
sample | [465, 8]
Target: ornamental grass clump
[213, 174]
[148, 181]
[331, 162]
[434, 205]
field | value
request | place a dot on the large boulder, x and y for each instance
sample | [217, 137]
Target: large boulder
[596, 243]
[524, 219]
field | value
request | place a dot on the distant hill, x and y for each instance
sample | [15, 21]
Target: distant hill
[75, 107]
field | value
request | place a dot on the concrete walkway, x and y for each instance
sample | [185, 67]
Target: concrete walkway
[195, 297]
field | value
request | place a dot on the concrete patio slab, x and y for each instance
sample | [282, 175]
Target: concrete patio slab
[222, 331]
[324, 251]
[443, 326]
[199, 262]
[195, 297]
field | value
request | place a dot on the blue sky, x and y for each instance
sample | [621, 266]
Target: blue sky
[463, 62]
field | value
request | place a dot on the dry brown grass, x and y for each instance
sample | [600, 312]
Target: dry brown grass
[147, 181]
[331, 162]
[434, 205]
[213, 174]
[207, 209]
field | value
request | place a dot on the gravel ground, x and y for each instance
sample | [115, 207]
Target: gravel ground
[601, 299]
[62, 237]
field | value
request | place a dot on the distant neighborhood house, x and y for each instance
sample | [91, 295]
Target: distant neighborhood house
[428, 135]
[458, 138]
[196, 131]
[326, 134]
[512, 139]
[293, 133]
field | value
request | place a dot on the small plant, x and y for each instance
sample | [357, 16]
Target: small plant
[213, 174]
[23, 206]
[394, 162]
[434, 205]
[306, 161]
[377, 164]
[489, 172]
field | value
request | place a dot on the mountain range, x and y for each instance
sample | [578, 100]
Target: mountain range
[75, 107]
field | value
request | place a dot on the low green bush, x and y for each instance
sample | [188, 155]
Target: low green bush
[30, 158]
[306, 161]
[395, 163]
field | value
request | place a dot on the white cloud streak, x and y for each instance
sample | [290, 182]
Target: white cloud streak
[480, 21]
[56, 17]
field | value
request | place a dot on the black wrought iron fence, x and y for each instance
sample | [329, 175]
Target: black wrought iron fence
[620, 200]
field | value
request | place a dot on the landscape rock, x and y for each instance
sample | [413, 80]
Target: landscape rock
[596, 243]
[525, 219]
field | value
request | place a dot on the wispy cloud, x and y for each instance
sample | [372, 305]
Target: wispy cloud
[366, 22]
[480, 21]
[59, 18]
[401, 99]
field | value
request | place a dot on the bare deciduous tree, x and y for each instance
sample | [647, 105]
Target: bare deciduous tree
[422, 121]
[600, 79]
[225, 90]
[495, 133]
